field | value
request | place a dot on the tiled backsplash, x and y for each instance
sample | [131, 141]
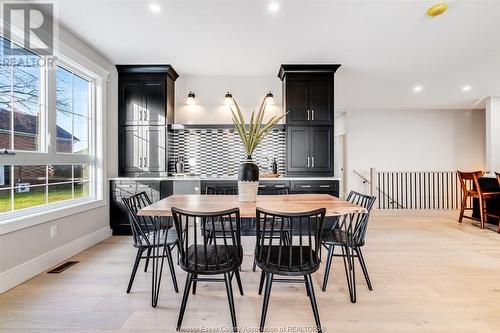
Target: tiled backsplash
[218, 152]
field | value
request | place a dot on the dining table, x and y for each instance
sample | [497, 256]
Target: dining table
[290, 203]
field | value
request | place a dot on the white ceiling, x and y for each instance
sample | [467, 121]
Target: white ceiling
[385, 47]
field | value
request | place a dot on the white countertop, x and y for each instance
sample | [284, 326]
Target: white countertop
[220, 178]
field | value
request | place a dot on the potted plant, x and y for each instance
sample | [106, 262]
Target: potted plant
[251, 135]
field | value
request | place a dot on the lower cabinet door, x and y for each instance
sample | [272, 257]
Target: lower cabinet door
[321, 149]
[132, 147]
[155, 146]
[298, 159]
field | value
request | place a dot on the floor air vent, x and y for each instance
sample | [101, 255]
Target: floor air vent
[63, 267]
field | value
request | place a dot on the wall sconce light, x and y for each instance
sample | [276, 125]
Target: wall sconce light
[190, 100]
[228, 99]
[269, 98]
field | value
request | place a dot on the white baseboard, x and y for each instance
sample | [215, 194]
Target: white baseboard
[17, 275]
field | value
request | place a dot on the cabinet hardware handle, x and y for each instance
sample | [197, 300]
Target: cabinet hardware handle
[312, 158]
[312, 112]
[145, 159]
[277, 185]
[140, 162]
[307, 114]
[140, 115]
[324, 186]
[308, 161]
[305, 186]
[262, 186]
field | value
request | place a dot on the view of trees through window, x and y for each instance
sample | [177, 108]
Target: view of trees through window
[23, 123]
[19, 102]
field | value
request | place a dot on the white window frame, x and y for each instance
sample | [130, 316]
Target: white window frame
[74, 61]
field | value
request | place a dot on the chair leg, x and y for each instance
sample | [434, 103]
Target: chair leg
[349, 272]
[134, 269]
[254, 265]
[261, 283]
[147, 260]
[481, 212]
[462, 209]
[172, 269]
[189, 280]
[194, 283]
[363, 267]
[314, 305]
[327, 266]
[307, 288]
[230, 298]
[267, 293]
[238, 280]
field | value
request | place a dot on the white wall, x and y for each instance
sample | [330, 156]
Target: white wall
[413, 140]
[26, 252]
[210, 91]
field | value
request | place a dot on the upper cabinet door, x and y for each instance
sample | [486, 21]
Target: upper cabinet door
[321, 149]
[131, 102]
[297, 102]
[154, 105]
[320, 102]
[298, 159]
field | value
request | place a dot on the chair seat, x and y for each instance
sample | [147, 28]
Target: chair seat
[167, 237]
[218, 258]
[280, 263]
[339, 237]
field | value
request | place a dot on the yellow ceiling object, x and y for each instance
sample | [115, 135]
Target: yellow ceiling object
[437, 9]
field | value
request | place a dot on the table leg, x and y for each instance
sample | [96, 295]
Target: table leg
[157, 264]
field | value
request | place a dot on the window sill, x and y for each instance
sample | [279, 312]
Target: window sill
[14, 221]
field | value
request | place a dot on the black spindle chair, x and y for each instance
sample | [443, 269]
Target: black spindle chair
[349, 234]
[298, 257]
[274, 191]
[215, 231]
[143, 234]
[198, 257]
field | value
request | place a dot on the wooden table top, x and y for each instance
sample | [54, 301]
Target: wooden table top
[292, 203]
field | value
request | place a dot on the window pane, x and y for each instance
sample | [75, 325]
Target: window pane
[82, 189]
[60, 192]
[80, 96]
[26, 197]
[5, 201]
[26, 87]
[29, 174]
[5, 101]
[64, 130]
[81, 172]
[64, 101]
[5, 176]
[80, 135]
[60, 173]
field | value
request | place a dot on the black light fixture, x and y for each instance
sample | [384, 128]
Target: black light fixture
[269, 98]
[228, 99]
[190, 100]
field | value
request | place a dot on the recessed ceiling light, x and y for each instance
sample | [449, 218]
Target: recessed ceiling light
[154, 8]
[466, 88]
[273, 7]
[417, 88]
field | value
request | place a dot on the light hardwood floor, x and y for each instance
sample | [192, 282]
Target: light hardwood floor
[430, 274]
